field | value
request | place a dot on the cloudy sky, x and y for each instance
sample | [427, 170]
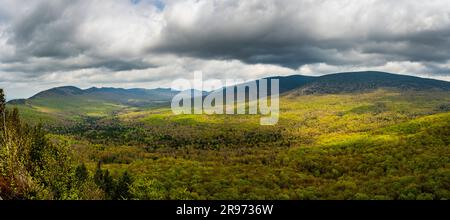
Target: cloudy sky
[149, 43]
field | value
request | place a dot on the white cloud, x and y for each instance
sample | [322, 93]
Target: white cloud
[46, 43]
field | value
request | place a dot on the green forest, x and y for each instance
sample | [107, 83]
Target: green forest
[384, 144]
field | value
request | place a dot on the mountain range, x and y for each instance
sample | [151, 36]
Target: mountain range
[102, 101]
[328, 84]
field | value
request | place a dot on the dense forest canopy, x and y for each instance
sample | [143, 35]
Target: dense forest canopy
[381, 144]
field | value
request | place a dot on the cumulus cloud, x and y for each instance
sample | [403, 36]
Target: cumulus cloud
[294, 33]
[147, 43]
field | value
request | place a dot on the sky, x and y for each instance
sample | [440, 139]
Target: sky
[150, 43]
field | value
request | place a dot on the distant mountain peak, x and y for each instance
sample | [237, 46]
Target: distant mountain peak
[66, 89]
[349, 82]
[59, 91]
[109, 95]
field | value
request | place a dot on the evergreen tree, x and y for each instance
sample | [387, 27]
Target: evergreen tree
[37, 149]
[104, 180]
[2, 101]
[81, 173]
[98, 176]
[2, 113]
[108, 185]
[122, 190]
[15, 119]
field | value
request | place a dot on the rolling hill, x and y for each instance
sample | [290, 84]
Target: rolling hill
[69, 103]
[369, 81]
[129, 97]
[72, 103]
[351, 82]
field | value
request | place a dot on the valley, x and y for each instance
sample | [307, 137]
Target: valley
[383, 141]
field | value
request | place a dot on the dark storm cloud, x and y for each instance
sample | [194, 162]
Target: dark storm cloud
[54, 66]
[46, 38]
[438, 69]
[47, 30]
[286, 33]
[425, 46]
[295, 33]
[54, 39]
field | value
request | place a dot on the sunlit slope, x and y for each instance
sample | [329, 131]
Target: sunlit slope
[408, 160]
[383, 144]
[72, 104]
[309, 117]
[65, 109]
[69, 104]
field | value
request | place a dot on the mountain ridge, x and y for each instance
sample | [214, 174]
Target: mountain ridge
[349, 82]
[73, 90]
[346, 82]
[69, 104]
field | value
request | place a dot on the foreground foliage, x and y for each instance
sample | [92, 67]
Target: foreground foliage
[32, 167]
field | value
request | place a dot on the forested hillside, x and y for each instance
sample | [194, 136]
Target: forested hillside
[34, 167]
[338, 137]
[383, 144]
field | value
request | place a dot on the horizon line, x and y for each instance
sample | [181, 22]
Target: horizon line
[267, 77]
